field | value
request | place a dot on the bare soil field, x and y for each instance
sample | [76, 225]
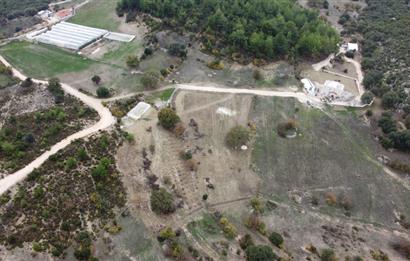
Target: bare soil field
[324, 184]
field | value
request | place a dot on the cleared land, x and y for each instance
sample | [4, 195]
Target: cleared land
[99, 14]
[328, 160]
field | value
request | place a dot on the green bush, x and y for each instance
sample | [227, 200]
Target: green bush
[162, 202]
[276, 239]
[390, 99]
[367, 97]
[387, 123]
[168, 118]
[246, 241]
[328, 255]
[260, 253]
[133, 61]
[150, 80]
[103, 92]
[237, 137]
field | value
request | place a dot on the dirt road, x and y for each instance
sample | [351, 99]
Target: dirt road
[106, 120]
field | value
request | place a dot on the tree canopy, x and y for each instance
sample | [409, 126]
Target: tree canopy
[261, 28]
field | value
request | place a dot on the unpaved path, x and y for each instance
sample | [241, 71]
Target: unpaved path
[106, 120]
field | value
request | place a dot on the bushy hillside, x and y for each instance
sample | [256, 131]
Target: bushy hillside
[11, 9]
[260, 28]
[385, 25]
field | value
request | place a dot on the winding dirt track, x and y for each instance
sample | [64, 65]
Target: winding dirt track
[106, 120]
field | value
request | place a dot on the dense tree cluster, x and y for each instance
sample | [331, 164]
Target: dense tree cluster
[263, 28]
[13, 9]
[385, 26]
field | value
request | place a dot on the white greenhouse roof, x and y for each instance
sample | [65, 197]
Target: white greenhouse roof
[70, 36]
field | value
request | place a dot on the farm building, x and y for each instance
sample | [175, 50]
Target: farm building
[70, 36]
[352, 47]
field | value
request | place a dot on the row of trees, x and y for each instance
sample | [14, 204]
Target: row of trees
[261, 28]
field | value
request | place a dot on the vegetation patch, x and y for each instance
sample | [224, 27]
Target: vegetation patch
[262, 29]
[26, 136]
[6, 77]
[58, 201]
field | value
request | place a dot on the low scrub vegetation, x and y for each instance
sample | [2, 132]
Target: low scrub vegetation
[168, 118]
[24, 137]
[162, 202]
[237, 137]
[54, 205]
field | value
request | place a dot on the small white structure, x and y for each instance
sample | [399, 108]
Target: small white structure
[45, 14]
[139, 110]
[352, 47]
[309, 87]
[119, 37]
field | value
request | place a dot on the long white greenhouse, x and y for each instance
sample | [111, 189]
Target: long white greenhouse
[70, 36]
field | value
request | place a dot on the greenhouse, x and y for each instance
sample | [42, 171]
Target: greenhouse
[70, 36]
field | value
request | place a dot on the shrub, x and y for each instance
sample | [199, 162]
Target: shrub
[260, 253]
[386, 123]
[237, 137]
[400, 140]
[257, 205]
[28, 82]
[257, 75]
[148, 51]
[96, 79]
[179, 129]
[367, 97]
[284, 128]
[186, 155]
[55, 88]
[177, 49]
[83, 253]
[70, 163]
[167, 233]
[390, 99]
[168, 118]
[103, 92]
[328, 255]
[246, 241]
[133, 61]
[216, 65]
[150, 80]
[37, 247]
[162, 202]
[228, 228]
[276, 239]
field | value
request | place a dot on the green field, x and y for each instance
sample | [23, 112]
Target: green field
[43, 61]
[118, 56]
[99, 14]
[331, 153]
